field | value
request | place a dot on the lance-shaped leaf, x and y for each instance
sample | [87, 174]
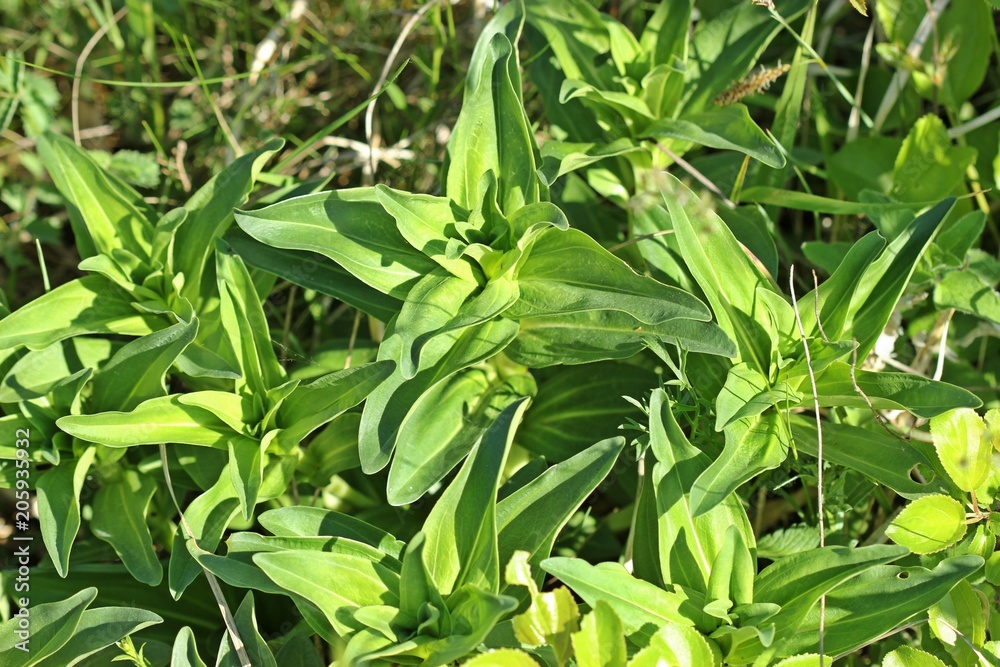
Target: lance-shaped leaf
[88, 305]
[429, 306]
[246, 471]
[52, 625]
[461, 529]
[600, 641]
[688, 542]
[244, 323]
[530, 518]
[568, 272]
[428, 223]
[105, 213]
[348, 226]
[492, 131]
[313, 271]
[752, 446]
[389, 407]
[747, 393]
[891, 391]
[876, 602]
[311, 405]
[209, 211]
[135, 373]
[164, 419]
[40, 372]
[305, 521]
[641, 606]
[185, 650]
[443, 426]
[58, 493]
[599, 335]
[723, 271]
[256, 647]
[728, 128]
[797, 582]
[872, 452]
[119, 519]
[332, 581]
[207, 517]
[98, 629]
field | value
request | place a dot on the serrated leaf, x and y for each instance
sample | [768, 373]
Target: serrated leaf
[929, 524]
[963, 446]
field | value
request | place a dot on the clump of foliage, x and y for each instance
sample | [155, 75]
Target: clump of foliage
[588, 422]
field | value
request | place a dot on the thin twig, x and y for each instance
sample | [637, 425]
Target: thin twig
[700, 177]
[227, 615]
[370, 111]
[75, 103]
[857, 388]
[819, 450]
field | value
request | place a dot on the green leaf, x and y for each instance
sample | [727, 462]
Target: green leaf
[676, 645]
[966, 291]
[600, 641]
[428, 223]
[98, 629]
[461, 529]
[752, 446]
[586, 337]
[58, 494]
[164, 419]
[331, 581]
[492, 131]
[551, 620]
[797, 582]
[461, 407]
[723, 270]
[906, 656]
[890, 391]
[928, 167]
[244, 324]
[560, 158]
[747, 393]
[88, 305]
[185, 650]
[872, 452]
[311, 270]
[877, 602]
[530, 518]
[209, 211]
[641, 606]
[348, 226]
[687, 542]
[958, 619]
[246, 472]
[41, 372]
[104, 212]
[728, 128]
[119, 519]
[387, 409]
[207, 517]
[568, 272]
[963, 445]
[136, 371]
[929, 524]
[255, 645]
[312, 405]
[52, 625]
[305, 521]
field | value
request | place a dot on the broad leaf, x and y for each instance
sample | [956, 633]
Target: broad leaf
[929, 524]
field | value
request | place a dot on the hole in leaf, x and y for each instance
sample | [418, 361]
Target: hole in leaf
[903, 575]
